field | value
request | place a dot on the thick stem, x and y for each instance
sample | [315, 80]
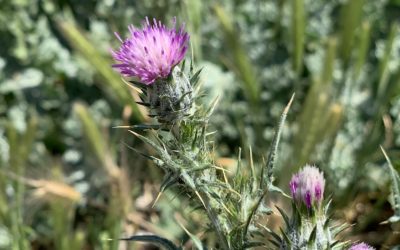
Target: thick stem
[212, 215]
[215, 221]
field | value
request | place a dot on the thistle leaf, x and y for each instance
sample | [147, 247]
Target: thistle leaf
[313, 235]
[286, 238]
[253, 244]
[272, 233]
[146, 126]
[395, 189]
[211, 109]
[195, 78]
[154, 239]
[253, 212]
[273, 188]
[156, 160]
[273, 242]
[284, 216]
[265, 180]
[170, 180]
[196, 241]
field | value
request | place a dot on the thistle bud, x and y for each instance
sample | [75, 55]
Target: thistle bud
[307, 186]
[308, 227]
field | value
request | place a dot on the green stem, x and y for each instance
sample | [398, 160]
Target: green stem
[212, 215]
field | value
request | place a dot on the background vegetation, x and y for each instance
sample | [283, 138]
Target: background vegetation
[68, 179]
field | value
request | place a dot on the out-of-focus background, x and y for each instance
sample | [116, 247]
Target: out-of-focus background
[68, 179]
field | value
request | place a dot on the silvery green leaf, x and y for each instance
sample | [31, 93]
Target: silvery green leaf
[267, 180]
[395, 189]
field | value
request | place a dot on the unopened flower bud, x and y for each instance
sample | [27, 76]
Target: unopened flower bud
[307, 186]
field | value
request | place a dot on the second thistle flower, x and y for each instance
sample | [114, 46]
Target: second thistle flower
[307, 186]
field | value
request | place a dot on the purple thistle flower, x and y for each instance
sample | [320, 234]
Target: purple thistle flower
[151, 52]
[361, 246]
[307, 186]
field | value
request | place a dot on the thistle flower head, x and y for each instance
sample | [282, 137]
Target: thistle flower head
[151, 52]
[361, 246]
[307, 186]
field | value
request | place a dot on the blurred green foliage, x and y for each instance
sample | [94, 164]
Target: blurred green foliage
[341, 58]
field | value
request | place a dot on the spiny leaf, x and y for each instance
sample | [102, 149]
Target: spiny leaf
[170, 180]
[327, 221]
[253, 244]
[337, 230]
[146, 104]
[195, 78]
[274, 147]
[277, 244]
[284, 216]
[224, 186]
[273, 188]
[159, 149]
[137, 86]
[211, 108]
[296, 215]
[395, 189]
[253, 212]
[286, 237]
[273, 234]
[183, 65]
[238, 168]
[142, 154]
[313, 235]
[196, 241]
[157, 240]
[253, 171]
[146, 126]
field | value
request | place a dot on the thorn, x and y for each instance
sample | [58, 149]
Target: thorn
[225, 178]
[183, 227]
[384, 153]
[146, 104]
[123, 126]
[226, 208]
[131, 86]
[253, 172]
[221, 168]
[157, 198]
[201, 199]
[134, 133]
[286, 110]
[236, 192]
[138, 152]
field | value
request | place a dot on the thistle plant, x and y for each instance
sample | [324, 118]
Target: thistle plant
[151, 58]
